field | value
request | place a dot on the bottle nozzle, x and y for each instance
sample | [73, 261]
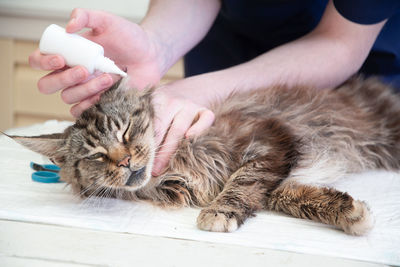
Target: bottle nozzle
[105, 64]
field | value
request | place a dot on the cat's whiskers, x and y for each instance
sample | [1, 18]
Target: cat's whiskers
[119, 193]
[103, 193]
[83, 192]
[100, 197]
[95, 196]
[96, 183]
[88, 202]
[81, 196]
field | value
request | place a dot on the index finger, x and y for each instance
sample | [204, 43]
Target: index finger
[84, 18]
[38, 60]
[176, 132]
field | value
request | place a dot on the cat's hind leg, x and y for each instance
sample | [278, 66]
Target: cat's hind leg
[322, 204]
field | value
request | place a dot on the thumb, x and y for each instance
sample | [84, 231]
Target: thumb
[85, 18]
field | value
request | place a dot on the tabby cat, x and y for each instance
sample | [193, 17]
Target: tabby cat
[277, 148]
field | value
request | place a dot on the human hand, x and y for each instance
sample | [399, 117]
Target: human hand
[131, 47]
[177, 116]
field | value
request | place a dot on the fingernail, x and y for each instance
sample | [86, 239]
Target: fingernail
[155, 173]
[55, 63]
[188, 135]
[74, 112]
[78, 74]
[156, 169]
[70, 23]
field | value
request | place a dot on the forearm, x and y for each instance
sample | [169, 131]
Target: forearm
[313, 60]
[179, 25]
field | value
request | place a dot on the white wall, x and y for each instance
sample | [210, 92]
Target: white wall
[26, 19]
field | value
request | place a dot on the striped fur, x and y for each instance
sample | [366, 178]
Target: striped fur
[276, 148]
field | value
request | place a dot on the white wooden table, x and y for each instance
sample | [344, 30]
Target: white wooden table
[32, 244]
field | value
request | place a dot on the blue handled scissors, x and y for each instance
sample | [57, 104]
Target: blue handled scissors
[46, 173]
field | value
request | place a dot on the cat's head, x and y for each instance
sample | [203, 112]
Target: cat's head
[110, 146]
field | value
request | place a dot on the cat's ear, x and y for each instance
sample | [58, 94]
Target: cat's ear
[146, 94]
[146, 98]
[124, 85]
[49, 145]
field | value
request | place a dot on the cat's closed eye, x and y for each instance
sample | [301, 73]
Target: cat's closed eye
[97, 156]
[125, 135]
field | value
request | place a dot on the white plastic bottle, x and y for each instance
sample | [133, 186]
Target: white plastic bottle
[76, 50]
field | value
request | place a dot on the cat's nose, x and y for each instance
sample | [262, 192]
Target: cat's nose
[124, 162]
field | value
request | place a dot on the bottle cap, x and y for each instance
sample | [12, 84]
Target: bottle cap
[105, 64]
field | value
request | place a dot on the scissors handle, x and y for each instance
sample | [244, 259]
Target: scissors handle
[46, 173]
[45, 177]
[45, 167]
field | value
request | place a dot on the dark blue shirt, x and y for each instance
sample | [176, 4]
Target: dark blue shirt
[384, 58]
[246, 29]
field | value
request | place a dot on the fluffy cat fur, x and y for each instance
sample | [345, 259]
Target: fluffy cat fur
[277, 148]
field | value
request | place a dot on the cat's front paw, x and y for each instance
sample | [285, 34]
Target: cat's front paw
[217, 221]
[359, 221]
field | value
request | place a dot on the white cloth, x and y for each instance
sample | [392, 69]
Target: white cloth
[24, 200]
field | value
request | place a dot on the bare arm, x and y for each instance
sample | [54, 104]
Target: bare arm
[179, 25]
